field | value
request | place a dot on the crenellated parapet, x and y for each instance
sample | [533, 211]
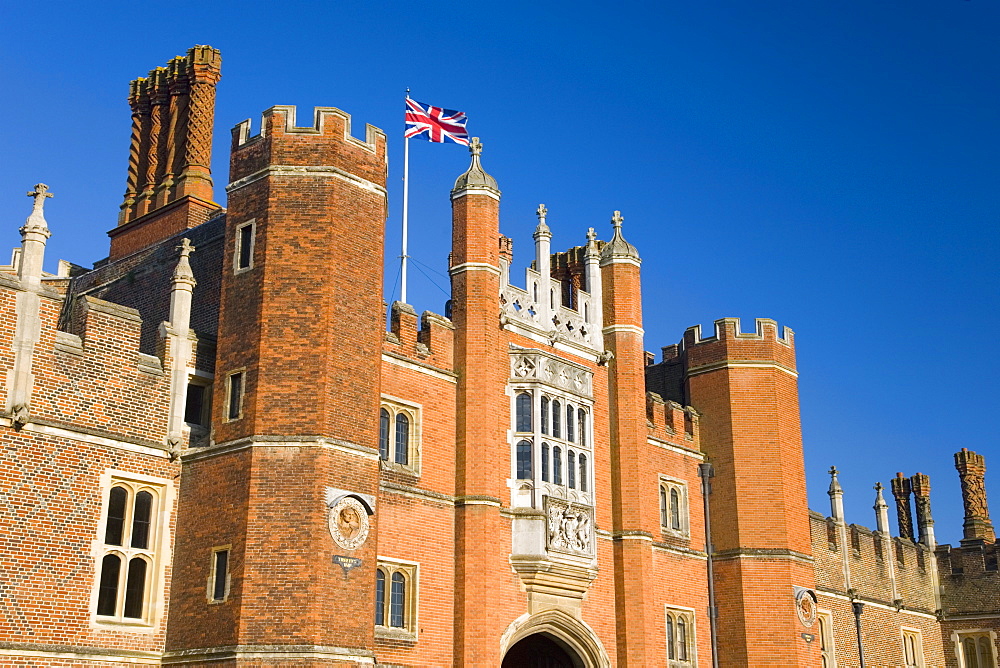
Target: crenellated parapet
[432, 344]
[672, 422]
[325, 148]
[729, 343]
[884, 570]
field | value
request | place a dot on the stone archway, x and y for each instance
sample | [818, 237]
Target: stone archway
[562, 639]
[540, 650]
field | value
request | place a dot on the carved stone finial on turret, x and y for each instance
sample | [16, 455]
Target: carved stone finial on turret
[476, 177]
[881, 511]
[542, 228]
[972, 472]
[618, 248]
[904, 515]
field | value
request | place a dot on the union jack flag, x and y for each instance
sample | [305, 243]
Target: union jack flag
[435, 123]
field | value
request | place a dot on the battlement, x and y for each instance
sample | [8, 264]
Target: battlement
[728, 329]
[669, 421]
[432, 344]
[872, 556]
[324, 148]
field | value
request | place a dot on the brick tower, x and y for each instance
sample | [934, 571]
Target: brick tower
[481, 415]
[745, 387]
[296, 395]
[627, 420]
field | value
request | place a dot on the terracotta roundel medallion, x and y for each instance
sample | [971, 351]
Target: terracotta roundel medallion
[805, 606]
[348, 522]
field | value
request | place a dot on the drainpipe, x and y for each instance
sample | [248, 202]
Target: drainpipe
[706, 472]
[858, 608]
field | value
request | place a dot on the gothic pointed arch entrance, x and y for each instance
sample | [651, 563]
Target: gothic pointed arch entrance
[552, 639]
[540, 650]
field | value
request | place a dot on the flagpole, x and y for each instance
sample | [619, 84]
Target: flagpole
[406, 208]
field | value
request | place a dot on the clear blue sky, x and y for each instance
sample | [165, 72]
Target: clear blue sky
[831, 165]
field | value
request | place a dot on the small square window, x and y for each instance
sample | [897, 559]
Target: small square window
[197, 407]
[245, 241]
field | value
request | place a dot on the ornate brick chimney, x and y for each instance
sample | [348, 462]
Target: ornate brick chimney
[972, 472]
[169, 171]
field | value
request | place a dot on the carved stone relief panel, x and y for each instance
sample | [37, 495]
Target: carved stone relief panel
[569, 527]
[533, 365]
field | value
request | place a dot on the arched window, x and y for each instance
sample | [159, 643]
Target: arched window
[117, 502]
[140, 519]
[586, 312]
[135, 588]
[571, 469]
[523, 412]
[107, 595]
[570, 422]
[126, 565]
[552, 298]
[581, 417]
[663, 506]
[557, 465]
[524, 460]
[383, 434]
[534, 291]
[986, 652]
[545, 462]
[399, 434]
[397, 601]
[379, 597]
[675, 509]
[971, 655]
[402, 439]
[671, 638]
[682, 652]
[545, 415]
[556, 419]
[583, 472]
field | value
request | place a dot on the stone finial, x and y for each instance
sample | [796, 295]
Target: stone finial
[881, 510]
[36, 219]
[904, 515]
[972, 473]
[591, 234]
[835, 487]
[618, 248]
[836, 495]
[542, 228]
[476, 176]
[182, 272]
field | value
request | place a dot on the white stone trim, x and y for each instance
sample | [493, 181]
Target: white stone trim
[841, 597]
[310, 170]
[148, 658]
[462, 192]
[614, 329]
[84, 437]
[419, 368]
[698, 456]
[738, 364]
[474, 266]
